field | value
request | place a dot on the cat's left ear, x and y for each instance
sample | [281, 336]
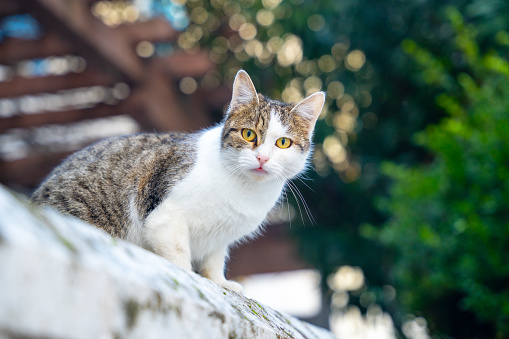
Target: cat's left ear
[310, 109]
[244, 91]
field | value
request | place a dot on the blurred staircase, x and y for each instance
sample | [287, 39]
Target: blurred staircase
[69, 77]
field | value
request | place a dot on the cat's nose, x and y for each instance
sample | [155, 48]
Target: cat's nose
[262, 159]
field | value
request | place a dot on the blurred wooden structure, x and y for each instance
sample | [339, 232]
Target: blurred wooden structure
[152, 96]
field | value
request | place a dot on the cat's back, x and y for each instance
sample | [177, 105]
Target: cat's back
[125, 151]
[104, 182]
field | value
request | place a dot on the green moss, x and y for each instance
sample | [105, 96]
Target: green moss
[155, 305]
[174, 283]
[260, 311]
[66, 242]
[281, 317]
[239, 311]
[254, 312]
[200, 294]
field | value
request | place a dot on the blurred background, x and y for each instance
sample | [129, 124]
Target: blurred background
[401, 229]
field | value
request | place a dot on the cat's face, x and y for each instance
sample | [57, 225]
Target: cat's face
[265, 139]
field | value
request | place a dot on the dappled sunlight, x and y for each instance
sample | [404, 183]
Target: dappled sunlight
[64, 100]
[355, 60]
[346, 320]
[54, 65]
[290, 52]
[118, 12]
[352, 324]
[294, 292]
[18, 143]
[347, 278]
[114, 13]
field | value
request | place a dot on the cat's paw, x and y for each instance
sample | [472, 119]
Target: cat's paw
[232, 286]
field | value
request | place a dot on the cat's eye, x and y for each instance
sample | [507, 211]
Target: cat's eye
[283, 142]
[249, 134]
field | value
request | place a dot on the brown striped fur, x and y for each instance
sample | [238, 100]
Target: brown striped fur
[97, 183]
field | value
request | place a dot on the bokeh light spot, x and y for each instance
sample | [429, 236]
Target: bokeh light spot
[316, 22]
[355, 60]
[188, 85]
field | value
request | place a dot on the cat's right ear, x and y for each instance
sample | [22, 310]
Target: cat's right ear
[310, 109]
[244, 91]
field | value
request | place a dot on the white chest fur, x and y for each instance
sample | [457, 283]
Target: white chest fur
[218, 207]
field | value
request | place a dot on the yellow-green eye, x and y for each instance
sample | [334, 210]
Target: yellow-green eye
[249, 134]
[283, 142]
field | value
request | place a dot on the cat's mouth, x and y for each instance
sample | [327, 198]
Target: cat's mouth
[259, 171]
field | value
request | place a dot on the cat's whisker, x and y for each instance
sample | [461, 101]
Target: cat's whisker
[288, 209]
[284, 200]
[287, 183]
[235, 171]
[303, 175]
[289, 186]
[284, 196]
[298, 196]
[304, 183]
[308, 211]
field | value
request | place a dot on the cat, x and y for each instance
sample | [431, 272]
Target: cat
[188, 197]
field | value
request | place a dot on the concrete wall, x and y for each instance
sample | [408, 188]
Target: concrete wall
[61, 278]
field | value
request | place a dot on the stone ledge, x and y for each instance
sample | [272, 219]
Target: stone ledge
[61, 278]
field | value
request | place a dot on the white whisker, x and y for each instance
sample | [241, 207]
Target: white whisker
[296, 199]
[284, 198]
[304, 183]
[298, 195]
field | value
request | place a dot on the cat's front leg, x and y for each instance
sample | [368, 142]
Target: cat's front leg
[167, 234]
[212, 267]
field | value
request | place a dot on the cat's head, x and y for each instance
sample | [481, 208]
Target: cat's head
[265, 139]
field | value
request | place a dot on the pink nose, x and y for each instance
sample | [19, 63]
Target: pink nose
[262, 159]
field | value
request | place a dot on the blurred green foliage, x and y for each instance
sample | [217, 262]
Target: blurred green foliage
[391, 68]
[449, 219]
